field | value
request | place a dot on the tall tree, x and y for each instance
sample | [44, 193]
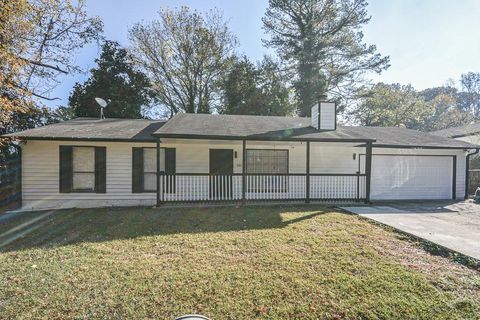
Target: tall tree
[322, 41]
[13, 24]
[184, 53]
[470, 83]
[240, 88]
[448, 109]
[115, 78]
[38, 40]
[393, 105]
[256, 90]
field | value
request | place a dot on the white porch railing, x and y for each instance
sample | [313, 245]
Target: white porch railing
[275, 187]
[337, 187]
[236, 187]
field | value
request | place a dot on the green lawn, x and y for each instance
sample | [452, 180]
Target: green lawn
[226, 263]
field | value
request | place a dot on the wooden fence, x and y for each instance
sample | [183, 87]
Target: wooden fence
[10, 184]
[473, 181]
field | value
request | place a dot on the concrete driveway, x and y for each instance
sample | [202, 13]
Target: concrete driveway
[452, 225]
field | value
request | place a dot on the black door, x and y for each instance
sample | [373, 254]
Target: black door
[221, 170]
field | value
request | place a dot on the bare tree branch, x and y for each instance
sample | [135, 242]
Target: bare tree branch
[44, 65]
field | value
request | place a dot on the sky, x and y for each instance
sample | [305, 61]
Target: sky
[429, 41]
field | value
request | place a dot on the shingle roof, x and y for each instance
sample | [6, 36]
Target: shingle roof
[402, 137]
[242, 126]
[461, 131]
[292, 128]
[232, 127]
[95, 129]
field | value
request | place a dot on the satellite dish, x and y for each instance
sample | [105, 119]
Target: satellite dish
[102, 103]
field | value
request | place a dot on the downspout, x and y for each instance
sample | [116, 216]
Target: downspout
[467, 171]
[368, 171]
[159, 183]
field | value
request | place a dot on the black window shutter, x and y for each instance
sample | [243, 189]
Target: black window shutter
[100, 169]
[170, 169]
[66, 170]
[170, 159]
[137, 170]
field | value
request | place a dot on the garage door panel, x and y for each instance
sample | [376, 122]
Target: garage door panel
[411, 177]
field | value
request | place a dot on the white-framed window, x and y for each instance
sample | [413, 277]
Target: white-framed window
[83, 169]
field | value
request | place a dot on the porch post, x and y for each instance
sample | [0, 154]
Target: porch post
[159, 200]
[454, 182]
[244, 162]
[307, 177]
[368, 170]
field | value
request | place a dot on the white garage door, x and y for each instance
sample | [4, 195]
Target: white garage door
[411, 177]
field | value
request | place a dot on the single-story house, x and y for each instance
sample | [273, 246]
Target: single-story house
[469, 133]
[203, 157]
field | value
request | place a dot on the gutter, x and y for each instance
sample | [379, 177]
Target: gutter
[467, 170]
[49, 138]
[399, 146]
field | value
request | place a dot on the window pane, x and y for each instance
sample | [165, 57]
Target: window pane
[150, 160]
[83, 181]
[150, 182]
[83, 159]
[267, 161]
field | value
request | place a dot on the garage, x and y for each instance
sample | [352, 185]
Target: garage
[412, 177]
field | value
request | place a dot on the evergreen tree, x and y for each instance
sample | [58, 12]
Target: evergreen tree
[322, 41]
[256, 90]
[114, 79]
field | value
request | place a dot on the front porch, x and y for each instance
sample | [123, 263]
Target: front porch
[249, 170]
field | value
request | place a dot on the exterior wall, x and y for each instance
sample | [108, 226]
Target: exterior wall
[193, 155]
[334, 157]
[40, 177]
[40, 168]
[40, 163]
[474, 177]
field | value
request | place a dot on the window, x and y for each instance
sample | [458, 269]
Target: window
[271, 163]
[83, 169]
[144, 169]
[267, 161]
[150, 168]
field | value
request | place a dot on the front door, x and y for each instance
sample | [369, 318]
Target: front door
[221, 170]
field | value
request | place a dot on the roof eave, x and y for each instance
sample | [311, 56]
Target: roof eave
[424, 146]
[82, 139]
